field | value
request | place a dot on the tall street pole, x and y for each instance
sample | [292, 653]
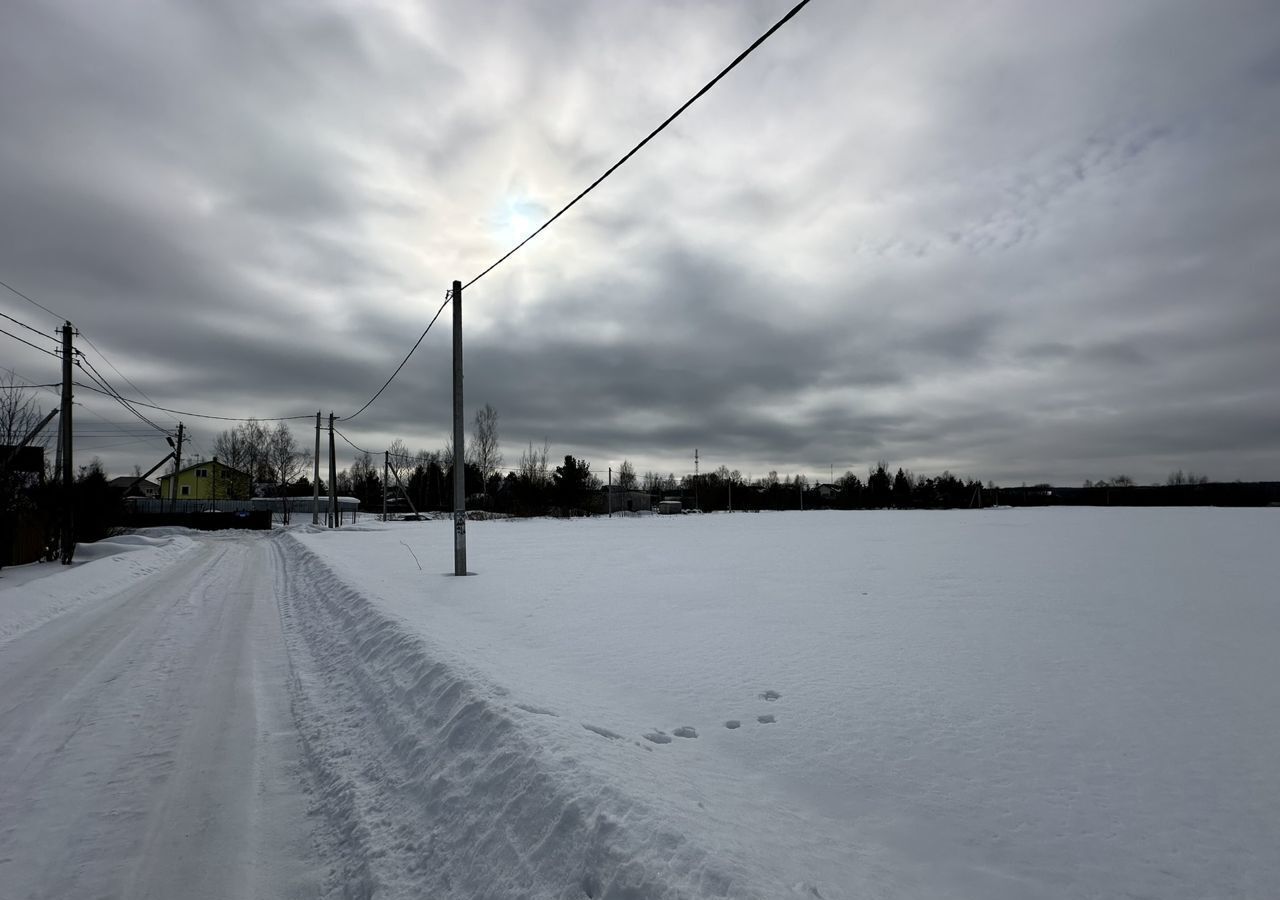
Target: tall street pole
[68, 533]
[459, 466]
[315, 480]
[333, 479]
[386, 468]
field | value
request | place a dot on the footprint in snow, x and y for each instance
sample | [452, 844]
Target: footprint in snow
[732, 723]
[603, 732]
[658, 737]
[536, 710]
[770, 696]
[686, 731]
[766, 720]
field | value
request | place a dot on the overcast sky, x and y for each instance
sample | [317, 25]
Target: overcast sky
[1023, 241]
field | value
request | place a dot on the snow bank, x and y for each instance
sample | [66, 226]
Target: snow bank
[35, 593]
[433, 782]
[1009, 704]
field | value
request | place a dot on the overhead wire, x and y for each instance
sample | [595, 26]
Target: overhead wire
[88, 367]
[353, 446]
[14, 290]
[196, 415]
[88, 340]
[119, 428]
[92, 370]
[650, 136]
[28, 343]
[447, 297]
[591, 187]
[30, 328]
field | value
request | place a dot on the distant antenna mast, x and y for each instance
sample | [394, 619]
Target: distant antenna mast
[695, 479]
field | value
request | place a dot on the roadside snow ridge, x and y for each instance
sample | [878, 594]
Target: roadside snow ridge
[428, 785]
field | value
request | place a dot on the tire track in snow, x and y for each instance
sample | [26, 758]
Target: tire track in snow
[429, 787]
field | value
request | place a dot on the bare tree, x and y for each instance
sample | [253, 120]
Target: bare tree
[19, 414]
[286, 460]
[534, 464]
[399, 460]
[247, 448]
[484, 452]
[627, 476]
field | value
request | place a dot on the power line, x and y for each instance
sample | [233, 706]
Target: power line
[24, 325]
[98, 377]
[28, 343]
[591, 187]
[447, 297]
[353, 446]
[14, 290]
[90, 342]
[196, 415]
[632, 152]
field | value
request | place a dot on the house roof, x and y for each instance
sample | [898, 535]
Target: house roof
[123, 481]
[204, 464]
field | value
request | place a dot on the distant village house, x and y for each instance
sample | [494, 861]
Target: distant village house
[209, 480]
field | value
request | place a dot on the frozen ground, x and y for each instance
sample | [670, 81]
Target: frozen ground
[147, 748]
[996, 704]
[1017, 703]
[27, 598]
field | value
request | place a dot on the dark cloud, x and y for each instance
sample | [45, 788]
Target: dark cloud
[1020, 242]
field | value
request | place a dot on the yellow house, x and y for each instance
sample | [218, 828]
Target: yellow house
[208, 481]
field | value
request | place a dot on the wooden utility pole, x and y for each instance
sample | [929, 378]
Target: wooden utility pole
[610, 494]
[333, 479]
[459, 464]
[386, 468]
[67, 536]
[315, 487]
[177, 467]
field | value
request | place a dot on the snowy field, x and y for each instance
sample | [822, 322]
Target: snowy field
[990, 704]
[1062, 703]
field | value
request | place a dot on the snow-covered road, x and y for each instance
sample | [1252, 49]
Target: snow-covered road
[147, 747]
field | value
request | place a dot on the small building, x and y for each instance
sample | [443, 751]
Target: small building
[670, 507]
[131, 486]
[210, 480]
[619, 499]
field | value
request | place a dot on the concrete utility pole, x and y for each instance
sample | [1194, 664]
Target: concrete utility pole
[315, 485]
[333, 479]
[386, 469]
[67, 542]
[459, 464]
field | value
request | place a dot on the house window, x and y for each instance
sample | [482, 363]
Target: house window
[186, 490]
[202, 473]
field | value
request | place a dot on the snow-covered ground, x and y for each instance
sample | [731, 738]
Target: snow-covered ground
[1014, 703]
[991, 704]
[28, 597]
[147, 744]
